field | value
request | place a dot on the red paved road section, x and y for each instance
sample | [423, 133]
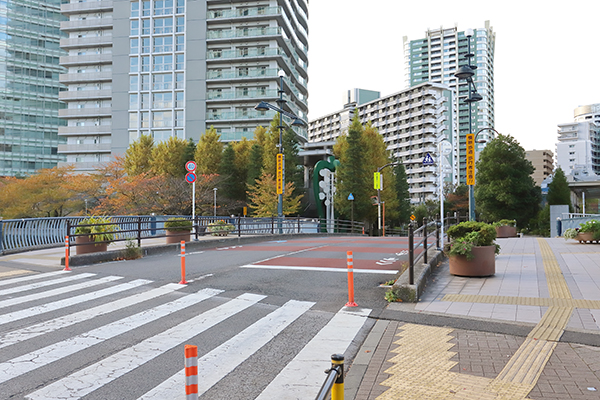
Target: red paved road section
[370, 253]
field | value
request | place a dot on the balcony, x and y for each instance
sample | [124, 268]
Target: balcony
[228, 95]
[92, 59]
[94, 41]
[84, 148]
[84, 130]
[87, 24]
[86, 7]
[85, 112]
[85, 77]
[85, 94]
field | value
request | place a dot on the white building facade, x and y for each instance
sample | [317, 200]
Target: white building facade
[578, 147]
[412, 122]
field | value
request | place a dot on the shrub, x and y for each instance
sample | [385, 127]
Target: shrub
[592, 226]
[505, 222]
[178, 224]
[220, 228]
[100, 228]
[466, 235]
[571, 233]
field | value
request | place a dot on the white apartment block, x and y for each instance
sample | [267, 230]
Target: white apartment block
[412, 123]
[175, 68]
[578, 147]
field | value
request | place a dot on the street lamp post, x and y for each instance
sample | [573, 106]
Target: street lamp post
[466, 72]
[215, 201]
[264, 106]
[441, 180]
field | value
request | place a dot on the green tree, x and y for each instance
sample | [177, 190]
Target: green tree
[558, 190]
[208, 152]
[232, 187]
[352, 176]
[168, 158]
[263, 197]
[255, 163]
[138, 156]
[270, 147]
[458, 200]
[402, 194]
[190, 151]
[294, 172]
[504, 187]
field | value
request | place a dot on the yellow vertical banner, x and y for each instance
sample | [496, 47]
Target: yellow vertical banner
[377, 180]
[279, 173]
[470, 159]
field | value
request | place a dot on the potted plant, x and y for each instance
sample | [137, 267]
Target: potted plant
[472, 251]
[589, 232]
[220, 228]
[94, 234]
[571, 233]
[506, 228]
[178, 229]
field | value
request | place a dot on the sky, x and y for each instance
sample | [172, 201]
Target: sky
[547, 61]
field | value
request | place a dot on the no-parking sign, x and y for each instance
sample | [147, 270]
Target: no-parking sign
[190, 177]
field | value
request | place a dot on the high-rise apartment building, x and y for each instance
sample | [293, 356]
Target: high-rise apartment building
[436, 57]
[578, 147]
[543, 162]
[412, 122]
[29, 85]
[177, 67]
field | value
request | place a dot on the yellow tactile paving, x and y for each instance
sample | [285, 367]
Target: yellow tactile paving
[14, 272]
[422, 364]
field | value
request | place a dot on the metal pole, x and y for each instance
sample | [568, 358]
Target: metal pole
[441, 241]
[425, 240]
[378, 212]
[280, 197]
[411, 255]
[215, 201]
[471, 194]
[194, 204]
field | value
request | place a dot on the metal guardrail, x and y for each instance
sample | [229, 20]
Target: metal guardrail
[18, 235]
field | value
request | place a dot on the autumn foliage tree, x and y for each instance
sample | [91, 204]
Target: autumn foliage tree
[263, 197]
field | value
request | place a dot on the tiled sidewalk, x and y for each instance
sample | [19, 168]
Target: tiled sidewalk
[551, 284]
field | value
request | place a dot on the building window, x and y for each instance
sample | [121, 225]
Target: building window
[145, 45]
[145, 103]
[163, 25]
[133, 120]
[162, 119]
[146, 8]
[179, 118]
[163, 44]
[135, 28]
[145, 82]
[180, 21]
[162, 63]
[162, 100]
[145, 119]
[180, 43]
[180, 6]
[133, 102]
[179, 80]
[135, 9]
[163, 7]
[145, 27]
[133, 64]
[134, 45]
[179, 61]
[145, 63]
[133, 83]
[162, 82]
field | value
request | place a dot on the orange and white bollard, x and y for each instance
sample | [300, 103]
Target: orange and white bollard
[350, 260]
[183, 281]
[191, 372]
[67, 254]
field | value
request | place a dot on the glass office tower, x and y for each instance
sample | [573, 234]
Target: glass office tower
[29, 86]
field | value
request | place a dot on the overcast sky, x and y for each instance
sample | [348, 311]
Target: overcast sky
[547, 61]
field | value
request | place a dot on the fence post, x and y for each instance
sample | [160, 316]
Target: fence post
[425, 240]
[337, 391]
[411, 255]
[298, 224]
[437, 231]
[196, 227]
[239, 221]
[1, 237]
[139, 232]
[272, 225]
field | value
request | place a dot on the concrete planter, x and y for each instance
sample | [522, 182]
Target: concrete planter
[177, 236]
[484, 263]
[506, 231]
[86, 245]
[586, 237]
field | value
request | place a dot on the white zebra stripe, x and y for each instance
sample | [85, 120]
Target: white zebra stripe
[95, 376]
[57, 305]
[12, 281]
[38, 285]
[303, 376]
[36, 359]
[218, 363]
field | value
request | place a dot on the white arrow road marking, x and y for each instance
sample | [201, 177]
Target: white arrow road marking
[95, 376]
[36, 359]
[303, 376]
[10, 338]
[215, 365]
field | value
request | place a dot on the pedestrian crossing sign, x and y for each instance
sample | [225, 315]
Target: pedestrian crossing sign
[428, 160]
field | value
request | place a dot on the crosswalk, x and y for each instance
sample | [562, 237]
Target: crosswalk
[70, 335]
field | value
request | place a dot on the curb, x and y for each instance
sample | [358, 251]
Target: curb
[411, 293]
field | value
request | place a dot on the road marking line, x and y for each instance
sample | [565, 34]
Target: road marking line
[57, 305]
[303, 376]
[42, 328]
[319, 269]
[294, 252]
[44, 356]
[38, 285]
[215, 365]
[95, 376]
